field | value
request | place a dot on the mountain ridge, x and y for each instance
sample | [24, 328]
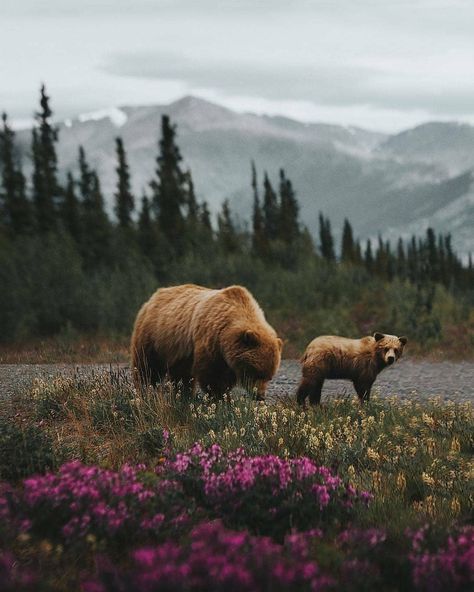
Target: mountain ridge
[379, 181]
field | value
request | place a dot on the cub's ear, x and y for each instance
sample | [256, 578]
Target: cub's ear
[249, 338]
[403, 340]
[378, 336]
[280, 344]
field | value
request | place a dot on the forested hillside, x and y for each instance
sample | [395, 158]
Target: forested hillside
[66, 266]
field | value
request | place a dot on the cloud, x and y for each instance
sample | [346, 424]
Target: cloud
[393, 84]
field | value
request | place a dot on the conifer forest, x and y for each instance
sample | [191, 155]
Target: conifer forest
[68, 266]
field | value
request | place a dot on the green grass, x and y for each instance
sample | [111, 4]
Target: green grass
[415, 456]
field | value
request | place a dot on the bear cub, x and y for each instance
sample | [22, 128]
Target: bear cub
[358, 360]
[214, 338]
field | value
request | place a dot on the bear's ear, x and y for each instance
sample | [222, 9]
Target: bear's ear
[403, 340]
[249, 338]
[280, 344]
[378, 336]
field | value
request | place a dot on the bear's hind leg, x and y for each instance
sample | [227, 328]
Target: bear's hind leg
[309, 388]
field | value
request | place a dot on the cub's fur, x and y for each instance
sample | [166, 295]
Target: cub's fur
[359, 360]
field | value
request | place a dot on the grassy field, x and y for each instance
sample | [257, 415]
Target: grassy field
[342, 497]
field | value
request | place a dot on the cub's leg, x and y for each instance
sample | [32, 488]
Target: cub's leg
[363, 389]
[310, 387]
[213, 374]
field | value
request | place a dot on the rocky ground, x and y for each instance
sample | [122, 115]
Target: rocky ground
[408, 378]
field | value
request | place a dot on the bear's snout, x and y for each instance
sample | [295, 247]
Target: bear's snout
[390, 360]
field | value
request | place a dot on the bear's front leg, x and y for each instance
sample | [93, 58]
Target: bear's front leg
[363, 389]
[213, 374]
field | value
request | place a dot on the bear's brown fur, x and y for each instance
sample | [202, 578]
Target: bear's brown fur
[217, 338]
[359, 360]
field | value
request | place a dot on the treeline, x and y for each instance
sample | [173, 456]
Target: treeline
[68, 266]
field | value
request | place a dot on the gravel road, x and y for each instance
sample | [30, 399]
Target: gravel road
[407, 378]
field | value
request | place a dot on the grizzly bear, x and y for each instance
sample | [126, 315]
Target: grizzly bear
[359, 360]
[217, 338]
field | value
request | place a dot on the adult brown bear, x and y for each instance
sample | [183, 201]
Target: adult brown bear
[217, 338]
[359, 360]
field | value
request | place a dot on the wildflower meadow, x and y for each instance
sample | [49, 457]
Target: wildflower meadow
[106, 489]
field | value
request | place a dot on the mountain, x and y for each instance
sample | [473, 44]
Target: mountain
[389, 184]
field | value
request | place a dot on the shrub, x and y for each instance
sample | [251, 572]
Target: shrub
[216, 559]
[268, 494]
[23, 451]
[448, 567]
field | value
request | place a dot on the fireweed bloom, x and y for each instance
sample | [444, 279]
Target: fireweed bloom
[216, 559]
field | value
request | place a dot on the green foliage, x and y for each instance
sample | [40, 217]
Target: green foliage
[15, 208]
[46, 189]
[124, 200]
[69, 269]
[24, 451]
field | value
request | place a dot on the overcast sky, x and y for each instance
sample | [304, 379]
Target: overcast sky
[369, 63]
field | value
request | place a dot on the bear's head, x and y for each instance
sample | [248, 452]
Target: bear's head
[388, 348]
[254, 355]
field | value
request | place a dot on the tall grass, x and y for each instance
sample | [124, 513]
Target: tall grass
[416, 455]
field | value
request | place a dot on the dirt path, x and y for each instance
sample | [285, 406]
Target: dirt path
[450, 380]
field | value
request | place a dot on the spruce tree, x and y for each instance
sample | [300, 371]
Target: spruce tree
[401, 259]
[146, 229]
[271, 213]
[15, 210]
[205, 216]
[192, 206]
[124, 200]
[69, 211]
[226, 232]
[95, 223]
[258, 237]
[369, 257]
[326, 239]
[169, 192]
[413, 267]
[289, 230]
[348, 252]
[46, 190]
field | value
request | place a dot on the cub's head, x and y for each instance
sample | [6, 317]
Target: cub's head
[254, 355]
[388, 348]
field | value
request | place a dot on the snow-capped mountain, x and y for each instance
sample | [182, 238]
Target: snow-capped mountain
[394, 185]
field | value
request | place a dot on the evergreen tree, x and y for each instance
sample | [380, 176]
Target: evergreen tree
[226, 232]
[271, 213]
[432, 255]
[379, 259]
[326, 239]
[348, 249]
[95, 223]
[46, 190]
[289, 230]
[169, 192]
[124, 200]
[401, 259]
[369, 257]
[412, 260]
[205, 216]
[191, 201]
[146, 229]
[15, 210]
[69, 211]
[258, 231]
